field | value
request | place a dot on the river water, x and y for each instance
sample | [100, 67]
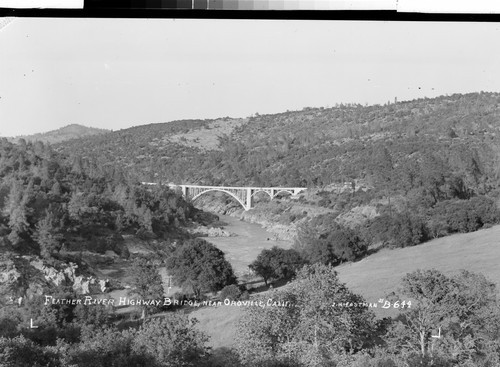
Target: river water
[249, 241]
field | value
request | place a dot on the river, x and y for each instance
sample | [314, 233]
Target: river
[249, 241]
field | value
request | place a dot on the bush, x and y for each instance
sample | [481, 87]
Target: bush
[451, 216]
[8, 327]
[223, 357]
[399, 230]
[379, 229]
[21, 352]
[231, 292]
[322, 240]
[408, 230]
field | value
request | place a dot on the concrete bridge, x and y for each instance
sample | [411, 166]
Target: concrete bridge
[243, 195]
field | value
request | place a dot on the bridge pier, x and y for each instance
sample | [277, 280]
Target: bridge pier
[249, 200]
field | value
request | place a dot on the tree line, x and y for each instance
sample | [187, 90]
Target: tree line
[316, 321]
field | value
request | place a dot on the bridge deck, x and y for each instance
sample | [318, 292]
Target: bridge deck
[244, 195]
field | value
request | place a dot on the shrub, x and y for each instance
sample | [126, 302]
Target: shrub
[400, 230]
[231, 292]
[452, 216]
[21, 352]
[408, 230]
[379, 229]
[322, 240]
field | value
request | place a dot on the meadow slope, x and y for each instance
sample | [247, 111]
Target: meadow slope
[379, 274]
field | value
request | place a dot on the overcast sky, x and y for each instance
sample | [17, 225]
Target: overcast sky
[117, 73]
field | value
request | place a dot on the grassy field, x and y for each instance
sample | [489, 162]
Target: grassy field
[379, 274]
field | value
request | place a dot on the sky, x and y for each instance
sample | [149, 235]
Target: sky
[118, 73]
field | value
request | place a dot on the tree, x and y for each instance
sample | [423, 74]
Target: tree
[276, 263]
[306, 325]
[462, 308]
[18, 224]
[433, 173]
[200, 266]
[172, 340]
[17, 212]
[55, 190]
[147, 280]
[47, 235]
[325, 241]
[21, 352]
[383, 171]
[262, 266]
[408, 230]
[106, 347]
[94, 316]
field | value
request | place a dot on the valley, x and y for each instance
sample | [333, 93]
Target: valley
[397, 200]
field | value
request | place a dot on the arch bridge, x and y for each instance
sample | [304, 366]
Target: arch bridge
[243, 195]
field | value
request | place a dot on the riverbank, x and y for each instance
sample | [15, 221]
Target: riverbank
[281, 218]
[249, 240]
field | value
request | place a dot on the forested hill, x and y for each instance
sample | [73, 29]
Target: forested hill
[73, 131]
[313, 147]
[49, 203]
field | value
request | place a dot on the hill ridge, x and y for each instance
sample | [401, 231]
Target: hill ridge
[65, 133]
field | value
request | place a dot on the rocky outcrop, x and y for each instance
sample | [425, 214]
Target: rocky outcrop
[286, 232]
[67, 275]
[52, 275]
[38, 275]
[103, 285]
[211, 232]
[9, 276]
[17, 276]
[86, 285]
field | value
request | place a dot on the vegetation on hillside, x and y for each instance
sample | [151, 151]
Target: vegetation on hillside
[49, 203]
[414, 162]
[427, 168]
[320, 146]
[69, 132]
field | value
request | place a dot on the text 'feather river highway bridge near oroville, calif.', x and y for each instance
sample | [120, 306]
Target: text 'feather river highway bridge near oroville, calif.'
[244, 195]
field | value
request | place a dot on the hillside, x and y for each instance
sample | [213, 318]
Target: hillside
[390, 189]
[313, 147]
[55, 212]
[398, 174]
[69, 132]
[380, 274]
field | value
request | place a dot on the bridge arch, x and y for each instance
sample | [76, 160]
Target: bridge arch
[255, 192]
[282, 191]
[242, 203]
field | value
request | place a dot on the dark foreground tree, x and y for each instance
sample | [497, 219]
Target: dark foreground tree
[172, 340]
[22, 352]
[147, 281]
[201, 267]
[105, 347]
[305, 325]
[456, 319]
